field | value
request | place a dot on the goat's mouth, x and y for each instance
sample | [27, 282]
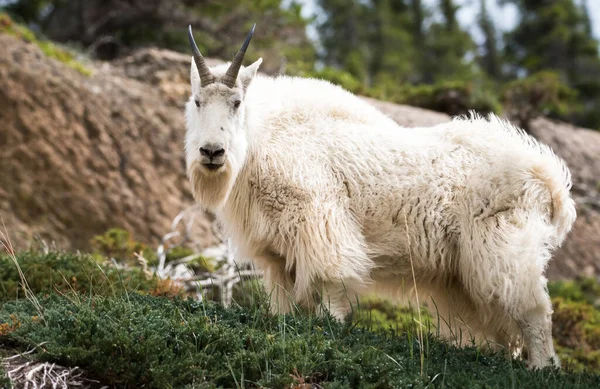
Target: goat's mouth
[212, 166]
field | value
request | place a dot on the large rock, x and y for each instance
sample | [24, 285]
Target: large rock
[81, 154]
[580, 147]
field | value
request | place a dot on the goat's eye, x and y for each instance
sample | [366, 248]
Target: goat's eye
[236, 103]
[197, 103]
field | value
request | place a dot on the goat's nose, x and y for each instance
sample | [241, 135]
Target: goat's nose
[212, 150]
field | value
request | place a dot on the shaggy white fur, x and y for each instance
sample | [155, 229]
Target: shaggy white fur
[333, 199]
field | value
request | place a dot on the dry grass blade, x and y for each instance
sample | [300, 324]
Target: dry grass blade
[7, 245]
[24, 373]
[420, 324]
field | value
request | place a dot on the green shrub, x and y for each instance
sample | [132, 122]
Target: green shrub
[452, 98]
[576, 322]
[160, 343]
[542, 93]
[377, 314]
[576, 332]
[580, 290]
[120, 245]
[75, 273]
[338, 77]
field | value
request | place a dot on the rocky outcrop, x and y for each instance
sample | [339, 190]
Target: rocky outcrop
[580, 148]
[82, 154]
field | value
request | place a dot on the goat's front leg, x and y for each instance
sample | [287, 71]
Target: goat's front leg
[328, 253]
[337, 298]
[279, 285]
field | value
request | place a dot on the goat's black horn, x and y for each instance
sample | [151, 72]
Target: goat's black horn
[206, 77]
[234, 68]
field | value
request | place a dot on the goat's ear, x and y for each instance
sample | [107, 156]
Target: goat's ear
[194, 78]
[248, 73]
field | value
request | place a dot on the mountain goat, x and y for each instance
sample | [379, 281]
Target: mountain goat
[332, 200]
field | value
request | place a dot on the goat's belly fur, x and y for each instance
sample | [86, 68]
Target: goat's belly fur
[461, 216]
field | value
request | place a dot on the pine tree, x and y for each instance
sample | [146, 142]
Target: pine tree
[557, 35]
[342, 35]
[489, 59]
[422, 61]
[449, 9]
[447, 46]
[396, 60]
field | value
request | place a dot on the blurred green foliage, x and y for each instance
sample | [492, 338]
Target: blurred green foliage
[542, 93]
[584, 290]
[111, 29]
[452, 97]
[7, 26]
[557, 35]
[576, 332]
[418, 54]
[404, 51]
[4, 381]
[118, 244]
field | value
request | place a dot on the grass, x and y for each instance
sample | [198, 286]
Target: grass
[146, 341]
[52, 50]
[116, 326]
[76, 274]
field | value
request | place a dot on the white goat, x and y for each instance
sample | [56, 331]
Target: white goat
[333, 199]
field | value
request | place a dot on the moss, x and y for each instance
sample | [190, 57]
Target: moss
[576, 322]
[200, 264]
[8, 26]
[160, 343]
[179, 252]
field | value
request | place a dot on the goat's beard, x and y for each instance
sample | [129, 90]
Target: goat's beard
[210, 189]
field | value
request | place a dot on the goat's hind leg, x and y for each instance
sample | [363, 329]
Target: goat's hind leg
[536, 324]
[502, 264]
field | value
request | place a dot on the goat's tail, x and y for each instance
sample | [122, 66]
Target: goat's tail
[555, 178]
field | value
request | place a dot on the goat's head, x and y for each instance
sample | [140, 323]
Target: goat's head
[216, 142]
